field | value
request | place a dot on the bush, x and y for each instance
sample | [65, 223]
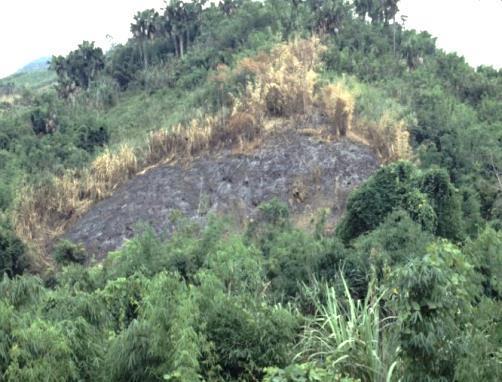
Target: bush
[304, 372]
[444, 199]
[92, 136]
[275, 102]
[66, 252]
[12, 253]
[249, 336]
[433, 296]
[390, 188]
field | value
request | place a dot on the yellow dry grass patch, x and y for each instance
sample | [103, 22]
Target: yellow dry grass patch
[388, 137]
[44, 211]
[284, 80]
[338, 104]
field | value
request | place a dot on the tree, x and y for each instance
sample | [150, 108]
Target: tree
[433, 296]
[78, 69]
[390, 188]
[329, 15]
[378, 10]
[143, 29]
[416, 46]
[180, 22]
[228, 7]
[12, 261]
[445, 200]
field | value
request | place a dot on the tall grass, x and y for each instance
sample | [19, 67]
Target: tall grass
[43, 211]
[350, 335]
[283, 80]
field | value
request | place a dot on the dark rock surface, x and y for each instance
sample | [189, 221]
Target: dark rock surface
[303, 171]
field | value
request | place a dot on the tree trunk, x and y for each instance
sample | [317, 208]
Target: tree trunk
[176, 49]
[181, 45]
[188, 38]
[145, 58]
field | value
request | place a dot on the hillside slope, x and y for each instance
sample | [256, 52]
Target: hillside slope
[305, 172]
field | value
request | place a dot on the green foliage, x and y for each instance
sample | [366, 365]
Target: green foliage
[305, 372]
[433, 296]
[346, 335]
[12, 253]
[66, 252]
[390, 188]
[42, 352]
[248, 336]
[485, 253]
[393, 243]
[445, 202]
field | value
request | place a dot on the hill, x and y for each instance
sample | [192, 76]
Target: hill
[254, 191]
[39, 64]
[33, 79]
[319, 178]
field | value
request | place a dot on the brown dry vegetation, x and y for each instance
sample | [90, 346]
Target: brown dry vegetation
[338, 103]
[283, 91]
[284, 80]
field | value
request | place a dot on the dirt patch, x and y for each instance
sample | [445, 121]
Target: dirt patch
[304, 171]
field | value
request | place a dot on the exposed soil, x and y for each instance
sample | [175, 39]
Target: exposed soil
[304, 171]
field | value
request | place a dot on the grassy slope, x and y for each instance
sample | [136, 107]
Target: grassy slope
[138, 112]
[34, 80]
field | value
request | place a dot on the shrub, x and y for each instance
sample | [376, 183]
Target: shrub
[390, 188]
[485, 253]
[249, 336]
[12, 253]
[66, 252]
[275, 102]
[444, 198]
[41, 352]
[92, 136]
[433, 296]
[304, 372]
[338, 104]
[393, 243]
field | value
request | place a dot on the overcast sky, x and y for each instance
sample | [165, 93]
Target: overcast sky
[30, 29]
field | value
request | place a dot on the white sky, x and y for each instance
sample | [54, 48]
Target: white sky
[30, 29]
[472, 28]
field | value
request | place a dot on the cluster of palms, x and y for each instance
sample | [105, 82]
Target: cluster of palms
[178, 22]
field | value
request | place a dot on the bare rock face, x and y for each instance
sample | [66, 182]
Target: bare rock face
[302, 171]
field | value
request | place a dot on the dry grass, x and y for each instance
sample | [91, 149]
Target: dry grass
[284, 80]
[389, 137]
[9, 99]
[44, 211]
[282, 94]
[337, 102]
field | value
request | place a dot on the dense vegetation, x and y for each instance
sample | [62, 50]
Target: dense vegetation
[409, 285]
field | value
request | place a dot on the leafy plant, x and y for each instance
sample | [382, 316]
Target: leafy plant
[351, 336]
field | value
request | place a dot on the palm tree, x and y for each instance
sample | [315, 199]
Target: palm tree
[143, 29]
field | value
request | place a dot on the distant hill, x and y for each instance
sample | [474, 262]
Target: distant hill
[34, 76]
[41, 63]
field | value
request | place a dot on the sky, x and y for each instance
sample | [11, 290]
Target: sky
[30, 29]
